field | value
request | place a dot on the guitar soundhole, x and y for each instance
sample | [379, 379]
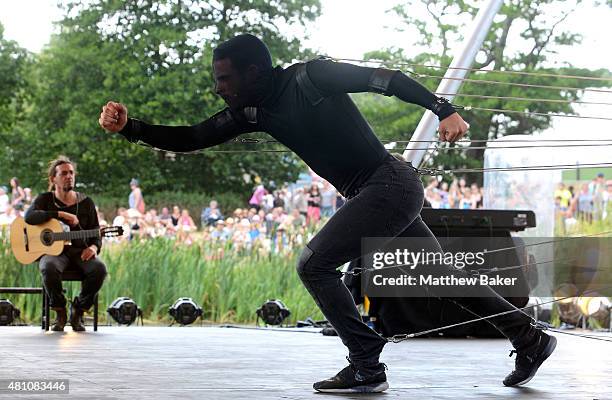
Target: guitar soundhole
[46, 237]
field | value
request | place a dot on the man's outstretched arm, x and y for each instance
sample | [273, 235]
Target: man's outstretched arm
[333, 77]
[217, 129]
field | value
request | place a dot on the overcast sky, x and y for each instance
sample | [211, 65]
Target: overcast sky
[349, 28]
[346, 28]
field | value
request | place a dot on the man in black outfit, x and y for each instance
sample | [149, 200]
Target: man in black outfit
[79, 212]
[306, 108]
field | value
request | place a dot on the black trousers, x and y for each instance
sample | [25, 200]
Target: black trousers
[52, 267]
[387, 205]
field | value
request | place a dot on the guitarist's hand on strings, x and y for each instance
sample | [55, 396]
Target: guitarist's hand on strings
[89, 252]
[70, 219]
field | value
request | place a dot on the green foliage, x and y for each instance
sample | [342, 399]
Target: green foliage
[157, 272]
[154, 56]
[15, 64]
[532, 27]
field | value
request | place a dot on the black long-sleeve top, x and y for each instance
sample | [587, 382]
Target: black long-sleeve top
[331, 136]
[45, 207]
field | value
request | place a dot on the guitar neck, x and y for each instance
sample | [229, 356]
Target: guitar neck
[86, 234]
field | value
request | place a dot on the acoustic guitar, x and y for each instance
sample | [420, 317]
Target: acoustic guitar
[30, 242]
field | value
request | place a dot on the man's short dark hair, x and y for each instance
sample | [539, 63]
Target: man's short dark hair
[244, 50]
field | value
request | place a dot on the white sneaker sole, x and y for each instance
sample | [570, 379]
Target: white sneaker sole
[375, 388]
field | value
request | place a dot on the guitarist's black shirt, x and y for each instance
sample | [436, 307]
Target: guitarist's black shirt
[46, 206]
[309, 113]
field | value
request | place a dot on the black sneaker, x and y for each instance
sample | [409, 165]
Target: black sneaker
[529, 360]
[351, 380]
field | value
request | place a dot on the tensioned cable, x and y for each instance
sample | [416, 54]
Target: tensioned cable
[543, 74]
[503, 110]
[513, 147]
[456, 148]
[358, 271]
[520, 246]
[484, 81]
[250, 140]
[537, 324]
[433, 149]
[402, 337]
[531, 144]
[479, 96]
[488, 82]
[486, 271]
[523, 73]
[248, 151]
[416, 74]
[435, 171]
[502, 140]
[423, 171]
[582, 335]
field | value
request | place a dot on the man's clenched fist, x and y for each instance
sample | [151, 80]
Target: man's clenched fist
[113, 116]
[452, 128]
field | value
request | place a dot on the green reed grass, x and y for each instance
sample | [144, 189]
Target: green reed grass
[157, 272]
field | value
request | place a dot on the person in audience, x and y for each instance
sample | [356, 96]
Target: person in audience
[328, 200]
[175, 216]
[185, 227]
[211, 214]
[136, 199]
[17, 194]
[313, 213]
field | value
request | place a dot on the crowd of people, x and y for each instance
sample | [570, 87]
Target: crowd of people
[278, 220]
[585, 202]
[456, 195]
[272, 220]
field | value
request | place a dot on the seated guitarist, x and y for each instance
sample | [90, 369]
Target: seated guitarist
[79, 212]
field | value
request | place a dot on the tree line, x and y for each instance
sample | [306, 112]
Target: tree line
[154, 56]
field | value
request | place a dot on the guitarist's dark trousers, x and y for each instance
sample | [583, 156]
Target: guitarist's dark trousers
[52, 267]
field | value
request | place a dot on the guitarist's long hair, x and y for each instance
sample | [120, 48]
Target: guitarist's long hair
[53, 164]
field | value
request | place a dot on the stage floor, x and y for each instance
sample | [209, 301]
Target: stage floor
[228, 363]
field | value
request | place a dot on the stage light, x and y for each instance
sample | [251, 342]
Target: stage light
[8, 312]
[273, 312]
[185, 311]
[569, 312]
[597, 308]
[124, 311]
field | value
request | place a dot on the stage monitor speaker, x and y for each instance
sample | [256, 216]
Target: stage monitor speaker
[398, 315]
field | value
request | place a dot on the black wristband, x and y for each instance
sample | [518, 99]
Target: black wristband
[442, 108]
[131, 130]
